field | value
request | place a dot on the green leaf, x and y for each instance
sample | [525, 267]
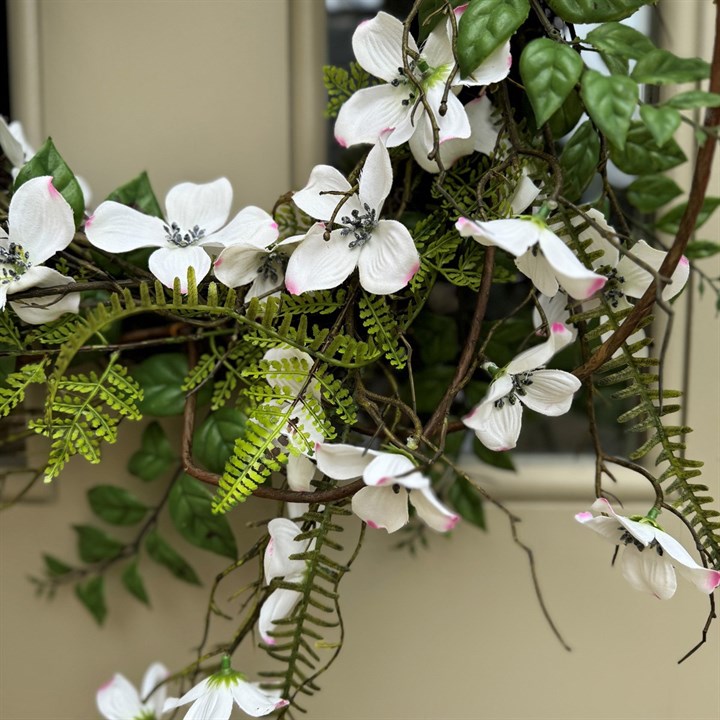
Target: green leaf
[155, 456]
[138, 194]
[48, 161]
[649, 192]
[116, 505]
[430, 385]
[662, 122]
[92, 595]
[699, 249]
[55, 567]
[579, 160]
[693, 99]
[214, 439]
[161, 378]
[485, 26]
[429, 17]
[549, 71]
[610, 101]
[94, 545]
[502, 460]
[134, 584]
[191, 512]
[595, 11]
[642, 155]
[661, 66]
[164, 555]
[620, 40]
[567, 117]
[467, 501]
[436, 337]
[670, 222]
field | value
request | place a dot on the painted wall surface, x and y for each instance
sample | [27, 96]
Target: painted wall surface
[194, 90]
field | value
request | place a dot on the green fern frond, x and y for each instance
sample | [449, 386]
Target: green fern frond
[57, 332]
[380, 322]
[341, 84]
[9, 334]
[12, 391]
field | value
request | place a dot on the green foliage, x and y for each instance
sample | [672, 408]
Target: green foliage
[9, 335]
[484, 27]
[620, 40]
[132, 581]
[431, 13]
[155, 456]
[649, 192]
[579, 160]
[610, 101]
[116, 505]
[14, 386]
[94, 545]
[379, 320]
[592, 11]
[670, 221]
[549, 71]
[699, 249]
[642, 155]
[693, 99]
[55, 567]
[659, 67]
[662, 122]
[466, 500]
[138, 194]
[91, 594]
[48, 161]
[341, 84]
[161, 378]
[163, 554]
[215, 437]
[190, 510]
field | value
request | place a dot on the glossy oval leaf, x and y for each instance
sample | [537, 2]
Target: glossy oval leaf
[660, 67]
[595, 11]
[467, 501]
[138, 194]
[662, 122]
[94, 545]
[568, 116]
[549, 71]
[649, 192]
[161, 378]
[48, 161]
[693, 99]
[155, 456]
[116, 505]
[92, 595]
[620, 40]
[133, 583]
[191, 512]
[670, 222]
[163, 554]
[214, 439]
[579, 160]
[485, 26]
[699, 249]
[642, 155]
[55, 567]
[610, 101]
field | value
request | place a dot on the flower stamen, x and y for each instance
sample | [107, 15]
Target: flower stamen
[175, 236]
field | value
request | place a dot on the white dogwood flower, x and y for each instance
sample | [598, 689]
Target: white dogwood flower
[195, 215]
[40, 224]
[540, 253]
[382, 250]
[119, 700]
[650, 556]
[392, 110]
[213, 698]
[383, 504]
[497, 419]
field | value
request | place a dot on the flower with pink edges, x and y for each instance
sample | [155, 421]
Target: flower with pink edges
[118, 699]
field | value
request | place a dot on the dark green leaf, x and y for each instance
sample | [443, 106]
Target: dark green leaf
[662, 122]
[163, 554]
[429, 17]
[649, 192]
[549, 71]
[138, 194]
[48, 161]
[567, 117]
[436, 337]
[616, 65]
[484, 27]
[579, 161]
[56, 567]
[693, 99]
[620, 40]
[214, 439]
[642, 154]
[610, 101]
[134, 584]
[466, 500]
[92, 595]
[670, 222]
[116, 505]
[191, 512]
[430, 385]
[155, 456]
[699, 249]
[161, 378]
[660, 66]
[94, 545]
[595, 11]
[502, 460]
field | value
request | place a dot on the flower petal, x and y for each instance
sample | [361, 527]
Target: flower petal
[649, 572]
[325, 189]
[512, 235]
[433, 513]
[484, 129]
[156, 673]
[539, 355]
[301, 361]
[279, 605]
[300, 472]
[598, 240]
[551, 392]
[206, 205]
[11, 146]
[118, 228]
[704, 579]
[636, 280]
[320, 265]
[376, 178]
[343, 462]
[239, 265]
[555, 311]
[454, 123]
[166, 264]
[252, 225]
[377, 44]
[525, 193]
[40, 219]
[254, 701]
[450, 151]
[607, 527]
[534, 266]
[192, 694]
[496, 426]
[437, 50]
[43, 309]
[216, 703]
[643, 532]
[374, 113]
[118, 699]
[388, 260]
[381, 507]
[494, 68]
[280, 547]
[391, 469]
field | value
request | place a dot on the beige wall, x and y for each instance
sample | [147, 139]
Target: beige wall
[492, 655]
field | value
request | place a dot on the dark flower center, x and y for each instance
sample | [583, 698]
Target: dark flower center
[176, 237]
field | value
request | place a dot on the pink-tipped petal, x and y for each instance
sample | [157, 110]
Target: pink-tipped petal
[343, 462]
[381, 507]
[433, 513]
